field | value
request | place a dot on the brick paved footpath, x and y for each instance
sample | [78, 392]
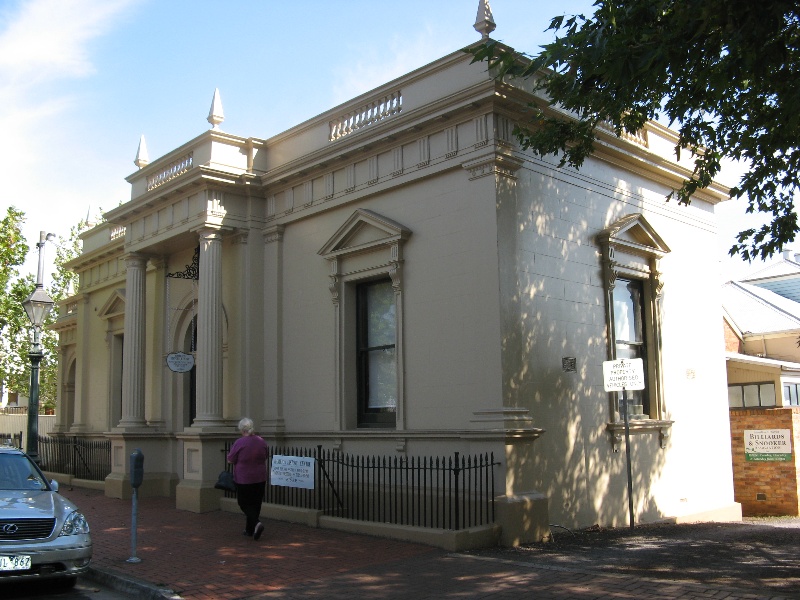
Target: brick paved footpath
[205, 556]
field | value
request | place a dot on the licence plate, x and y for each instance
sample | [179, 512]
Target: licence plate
[15, 563]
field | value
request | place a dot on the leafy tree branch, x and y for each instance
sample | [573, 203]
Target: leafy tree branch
[722, 72]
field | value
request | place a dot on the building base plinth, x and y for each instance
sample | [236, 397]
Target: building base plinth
[197, 496]
[524, 518]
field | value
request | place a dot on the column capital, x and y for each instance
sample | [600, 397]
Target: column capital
[211, 232]
[274, 234]
[159, 262]
[133, 259]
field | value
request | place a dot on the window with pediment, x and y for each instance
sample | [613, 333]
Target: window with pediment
[365, 281]
[631, 251]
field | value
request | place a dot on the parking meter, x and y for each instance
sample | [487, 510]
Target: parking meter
[137, 474]
[137, 468]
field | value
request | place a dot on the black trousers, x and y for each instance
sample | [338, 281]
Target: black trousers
[250, 496]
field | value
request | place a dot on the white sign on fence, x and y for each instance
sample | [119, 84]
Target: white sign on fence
[623, 374]
[293, 471]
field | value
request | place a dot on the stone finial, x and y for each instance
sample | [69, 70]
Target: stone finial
[142, 159]
[215, 115]
[484, 22]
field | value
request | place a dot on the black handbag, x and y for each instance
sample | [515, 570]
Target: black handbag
[225, 482]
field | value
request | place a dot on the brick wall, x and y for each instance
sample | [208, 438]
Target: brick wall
[732, 341]
[765, 488]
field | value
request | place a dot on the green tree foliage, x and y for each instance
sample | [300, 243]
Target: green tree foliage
[63, 284]
[14, 344]
[15, 328]
[724, 73]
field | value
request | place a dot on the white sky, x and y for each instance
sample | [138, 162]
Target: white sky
[81, 80]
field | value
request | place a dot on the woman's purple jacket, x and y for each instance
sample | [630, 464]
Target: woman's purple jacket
[249, 458]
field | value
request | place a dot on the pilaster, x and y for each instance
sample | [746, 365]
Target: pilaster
[272, 422]
[209, 331]
[156, 367]
[133, 367]
[77, 422]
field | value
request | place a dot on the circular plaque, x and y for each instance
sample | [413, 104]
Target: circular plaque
[180, 362]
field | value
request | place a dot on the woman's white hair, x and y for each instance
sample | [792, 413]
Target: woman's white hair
[246, 425]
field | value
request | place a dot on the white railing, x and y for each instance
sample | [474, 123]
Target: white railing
[116, 232]
[373, 112]
[640, 137]
[174, 169]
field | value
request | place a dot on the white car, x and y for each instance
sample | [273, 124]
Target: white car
[42, 534]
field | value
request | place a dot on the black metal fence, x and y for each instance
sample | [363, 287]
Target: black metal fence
[454, 492]
[79, 457]
[11, 439]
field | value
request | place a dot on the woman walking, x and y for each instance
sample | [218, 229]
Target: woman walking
[248, 455]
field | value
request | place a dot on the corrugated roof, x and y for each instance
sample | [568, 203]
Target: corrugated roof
[781, 277]
[780, 268]
[755, 310]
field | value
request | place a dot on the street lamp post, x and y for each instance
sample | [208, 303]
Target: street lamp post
[37, 306]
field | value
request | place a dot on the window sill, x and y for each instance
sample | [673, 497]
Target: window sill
[637, 427]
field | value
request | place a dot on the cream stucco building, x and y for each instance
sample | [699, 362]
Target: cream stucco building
[396, 276]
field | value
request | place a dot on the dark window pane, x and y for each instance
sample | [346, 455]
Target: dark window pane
[382, 380]
[628, 311]
[381, 315]
[377, 355]
[629, 337]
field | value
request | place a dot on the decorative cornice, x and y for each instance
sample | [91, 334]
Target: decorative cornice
[274, 234]
[493, 163]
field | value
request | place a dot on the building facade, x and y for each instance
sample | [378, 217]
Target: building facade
[396, 276]
[761, 320]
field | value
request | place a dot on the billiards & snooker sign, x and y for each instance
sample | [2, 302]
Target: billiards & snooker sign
[763, 445]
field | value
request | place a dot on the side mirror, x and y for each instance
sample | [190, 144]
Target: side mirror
[54, 485]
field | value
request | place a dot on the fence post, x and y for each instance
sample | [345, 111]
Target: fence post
[317, 486]
[456, 472]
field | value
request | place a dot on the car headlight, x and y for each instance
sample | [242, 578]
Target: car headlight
[75, 524]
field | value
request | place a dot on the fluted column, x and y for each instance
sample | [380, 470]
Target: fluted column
[133, 355]
[209, 331]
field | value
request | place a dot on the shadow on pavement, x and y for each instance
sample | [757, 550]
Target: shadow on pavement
[757, 555]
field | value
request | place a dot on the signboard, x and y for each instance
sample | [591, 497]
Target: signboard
[293, 471]
[763, 445]
[623, 374]
[180, 362]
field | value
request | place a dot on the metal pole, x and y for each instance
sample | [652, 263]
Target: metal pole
[36, 355]
[135, 512]
[628, 454]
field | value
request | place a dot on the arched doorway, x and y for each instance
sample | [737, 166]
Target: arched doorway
[190, 377]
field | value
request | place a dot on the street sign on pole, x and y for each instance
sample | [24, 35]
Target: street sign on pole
[623, 374]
